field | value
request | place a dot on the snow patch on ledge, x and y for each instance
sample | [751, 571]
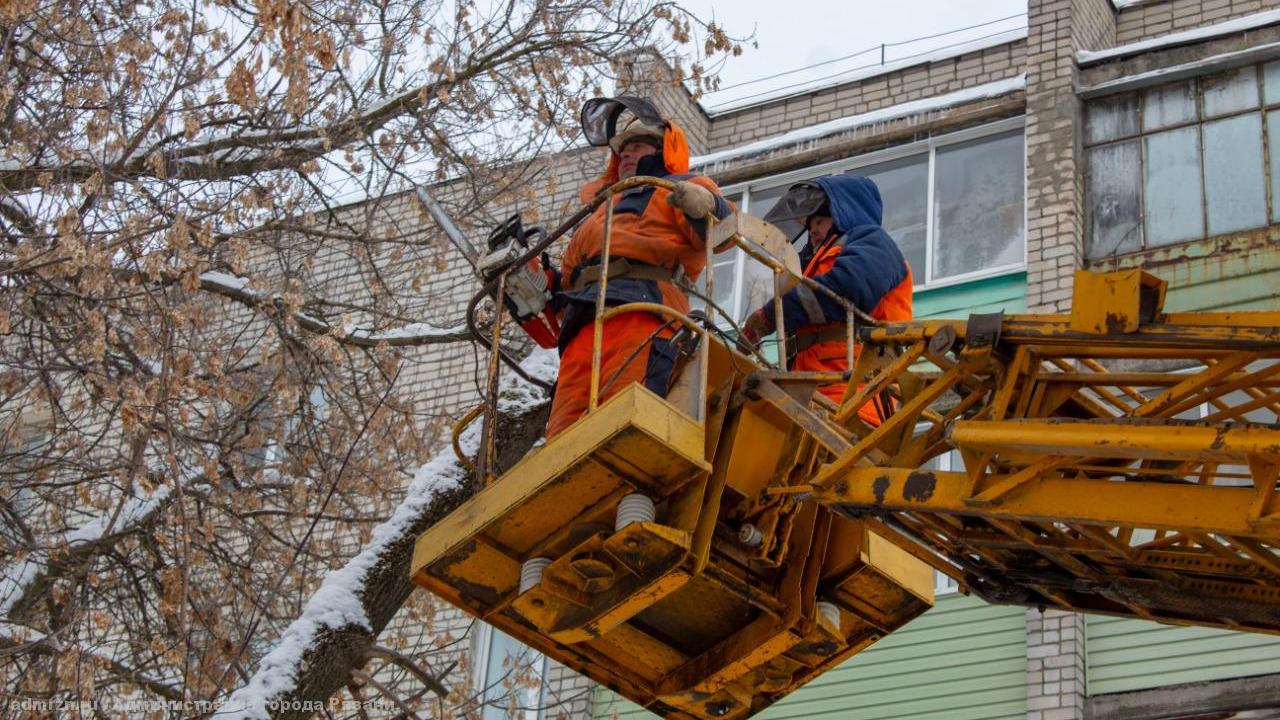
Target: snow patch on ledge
[1175, 72]
[231, 282]
[893, 112]
[337, 604]
[1248, 22]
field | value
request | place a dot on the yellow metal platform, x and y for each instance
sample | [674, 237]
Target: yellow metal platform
[679, 614]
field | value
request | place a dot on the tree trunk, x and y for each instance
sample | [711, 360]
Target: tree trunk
[333, 654]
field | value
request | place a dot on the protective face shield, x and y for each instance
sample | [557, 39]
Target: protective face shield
[604, 118]
[794, 208]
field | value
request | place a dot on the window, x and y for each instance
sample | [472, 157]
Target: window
[1182, 161]
[510, 677]
[954, 204]
[943, 584]
[268, 456]
[24, 447]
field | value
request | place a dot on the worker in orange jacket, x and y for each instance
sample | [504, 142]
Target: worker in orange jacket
[849, 253]
[657, 236]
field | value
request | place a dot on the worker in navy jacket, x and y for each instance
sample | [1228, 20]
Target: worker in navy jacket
[849, 253]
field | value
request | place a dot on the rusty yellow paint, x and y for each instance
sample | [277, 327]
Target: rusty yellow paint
[1133, 439]
[657, 445]
[1115, 302]
[1195, 508]
[1083, 489]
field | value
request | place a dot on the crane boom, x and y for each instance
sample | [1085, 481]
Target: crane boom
[1117, 459]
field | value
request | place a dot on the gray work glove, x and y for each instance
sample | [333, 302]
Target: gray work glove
[692, 199]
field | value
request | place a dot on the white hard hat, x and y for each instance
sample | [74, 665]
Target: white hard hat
[636, 131]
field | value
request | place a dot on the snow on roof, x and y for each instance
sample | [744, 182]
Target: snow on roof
[337, 602]
[1248, 22]
[893, 112]
[857, 74]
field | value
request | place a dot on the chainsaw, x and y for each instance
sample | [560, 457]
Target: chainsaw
[528, 289]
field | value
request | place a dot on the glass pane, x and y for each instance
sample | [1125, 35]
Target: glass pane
[512, 679]
[1171, 180]
[1234, 189]
[756, 290]
[726, 273]
[1111, 117]
[1273, 148]
[1230, 91]
[904, 188]
[1271, 81]
[978, 216]
[1168, 105]
[1114, 205]
[762, 201]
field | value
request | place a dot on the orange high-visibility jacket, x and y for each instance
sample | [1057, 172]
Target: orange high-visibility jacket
[648, 231]
[861, 264]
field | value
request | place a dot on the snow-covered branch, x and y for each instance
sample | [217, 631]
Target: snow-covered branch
[238, 289]
[22, 582]
[314, 656]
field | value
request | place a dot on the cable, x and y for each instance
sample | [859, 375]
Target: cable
[855, 69]
[873, 48]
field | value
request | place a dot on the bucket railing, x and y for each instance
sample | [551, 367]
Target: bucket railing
[783, 279]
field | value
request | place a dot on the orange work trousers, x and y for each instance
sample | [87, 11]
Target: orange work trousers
[635, 348]
[830, 357]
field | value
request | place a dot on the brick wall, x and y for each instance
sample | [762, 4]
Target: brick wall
[1056, 30]
[739, 127]
[1055, 665]
[1154, 19]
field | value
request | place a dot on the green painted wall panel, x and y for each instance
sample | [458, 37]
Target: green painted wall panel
[1007, 292]
[963, 660]
[1233, 272]
[1123, 655]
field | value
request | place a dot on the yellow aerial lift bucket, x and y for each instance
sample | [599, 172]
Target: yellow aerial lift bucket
[708, 553]
[643, 546]
[640, 552]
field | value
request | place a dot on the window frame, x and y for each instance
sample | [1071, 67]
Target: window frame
[929, 146]
[1263, 108]
[482, 648]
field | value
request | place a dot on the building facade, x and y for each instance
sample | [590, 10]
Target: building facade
[1108, 134]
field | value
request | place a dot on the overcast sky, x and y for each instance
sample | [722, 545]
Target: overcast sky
[796, 33]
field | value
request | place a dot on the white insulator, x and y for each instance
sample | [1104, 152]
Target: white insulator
[829, 611]
[633, 508]
[750, 535]
[531, 572]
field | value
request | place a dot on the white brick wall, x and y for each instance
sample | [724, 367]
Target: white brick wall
[1055, 665]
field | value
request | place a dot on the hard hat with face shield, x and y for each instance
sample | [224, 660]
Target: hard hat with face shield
[792, 211]
[614, 122]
